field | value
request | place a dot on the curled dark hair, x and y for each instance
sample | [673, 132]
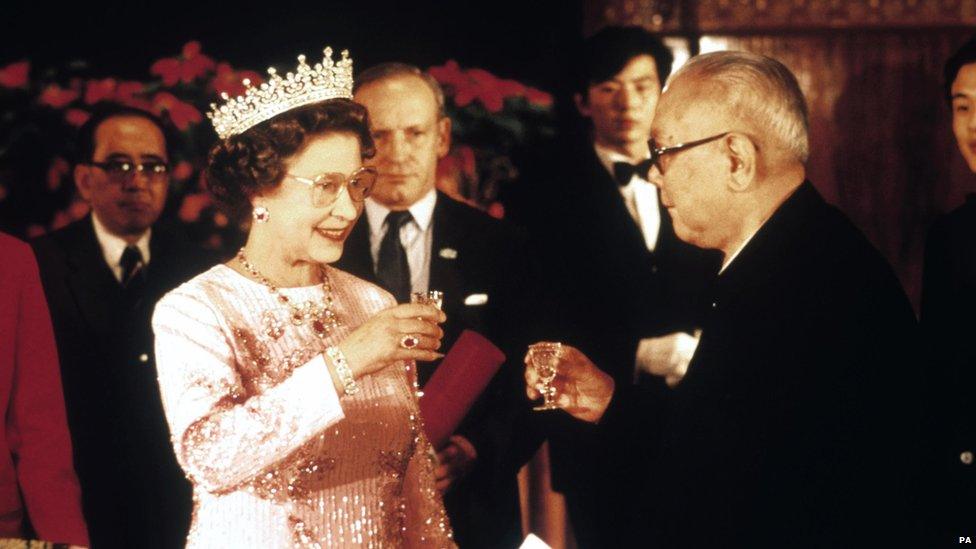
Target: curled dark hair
[252, 162]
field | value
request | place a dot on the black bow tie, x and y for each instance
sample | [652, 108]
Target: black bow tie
[623, 172]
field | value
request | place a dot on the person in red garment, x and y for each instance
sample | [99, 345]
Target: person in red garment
[37, 478]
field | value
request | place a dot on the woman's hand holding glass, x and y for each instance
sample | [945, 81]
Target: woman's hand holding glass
[402, 332]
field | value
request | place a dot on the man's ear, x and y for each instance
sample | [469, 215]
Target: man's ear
[743, 157]
[83, 180]
[582, 105]
[443, 136]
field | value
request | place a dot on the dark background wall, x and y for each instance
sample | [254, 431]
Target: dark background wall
[515, 39]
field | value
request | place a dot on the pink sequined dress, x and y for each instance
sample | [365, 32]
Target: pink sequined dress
[276, 457]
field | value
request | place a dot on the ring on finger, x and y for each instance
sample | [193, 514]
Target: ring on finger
[409, 341]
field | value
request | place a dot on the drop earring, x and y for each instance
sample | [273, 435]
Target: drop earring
[261, 214]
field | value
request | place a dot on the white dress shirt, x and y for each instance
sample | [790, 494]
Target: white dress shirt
[640, 196]
[113, 246]
[417, 237]
[667, 356]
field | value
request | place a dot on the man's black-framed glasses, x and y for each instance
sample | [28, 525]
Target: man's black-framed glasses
[658, 152]
[327, 186]
[122, 172]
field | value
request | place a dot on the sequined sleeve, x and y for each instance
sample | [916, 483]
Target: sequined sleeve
[427, 524]
[222, 436]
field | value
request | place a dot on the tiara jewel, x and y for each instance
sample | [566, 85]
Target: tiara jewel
[326, 80]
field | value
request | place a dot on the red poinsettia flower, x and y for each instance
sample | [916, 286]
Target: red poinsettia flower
[15, 75]
[56, 97]
[78, 209]
[538, 97]
[481, 85]
[448, 74]
[56, 171]
[76, 117]
[496, 210]
[192, 206]
[182, 114]
[182, 171]
[188, 67]
[214, 242]
[229, 81]
[126, 91]
[100, 90]
[487, 88]
[131, 93]
[467, 162]
[168, 69]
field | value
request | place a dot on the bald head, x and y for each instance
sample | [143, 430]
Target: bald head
[410, 134]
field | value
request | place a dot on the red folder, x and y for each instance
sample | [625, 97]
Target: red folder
[461, 376]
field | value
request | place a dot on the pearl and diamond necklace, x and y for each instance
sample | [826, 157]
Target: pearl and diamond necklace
[321, 317]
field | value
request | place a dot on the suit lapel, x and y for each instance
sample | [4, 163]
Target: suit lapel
[90, 280]
[622, 236]
[446, 253]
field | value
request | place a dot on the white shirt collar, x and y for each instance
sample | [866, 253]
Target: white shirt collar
[422, 212]
[608, 157]
[113, 246]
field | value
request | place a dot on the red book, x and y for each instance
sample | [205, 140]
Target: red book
[459, 379]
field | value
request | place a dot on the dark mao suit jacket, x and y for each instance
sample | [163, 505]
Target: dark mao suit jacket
[134, 492]
[949, 322]
[797, 422]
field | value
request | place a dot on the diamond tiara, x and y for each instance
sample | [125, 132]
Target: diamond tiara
[326, 80]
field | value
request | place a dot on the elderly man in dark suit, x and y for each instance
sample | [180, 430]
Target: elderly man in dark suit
[102, 276]
[413, 238]
[796, 423]
[625, 289]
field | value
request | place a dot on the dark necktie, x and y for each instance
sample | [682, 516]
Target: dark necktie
[392, 268]
[131, 263]
[624, 171]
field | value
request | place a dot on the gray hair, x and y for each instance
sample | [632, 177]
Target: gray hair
[759, 90]
[385, 71]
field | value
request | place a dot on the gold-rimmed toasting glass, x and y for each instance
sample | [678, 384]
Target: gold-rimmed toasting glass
[430, 297]
[544, 358]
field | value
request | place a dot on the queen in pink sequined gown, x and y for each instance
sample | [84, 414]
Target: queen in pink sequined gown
[290, 386]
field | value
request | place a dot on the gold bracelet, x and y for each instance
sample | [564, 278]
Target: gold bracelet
[342, 370]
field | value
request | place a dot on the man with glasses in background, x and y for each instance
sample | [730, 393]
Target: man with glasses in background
[102, 276]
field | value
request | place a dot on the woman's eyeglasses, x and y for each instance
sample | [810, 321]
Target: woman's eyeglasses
[327, 186]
